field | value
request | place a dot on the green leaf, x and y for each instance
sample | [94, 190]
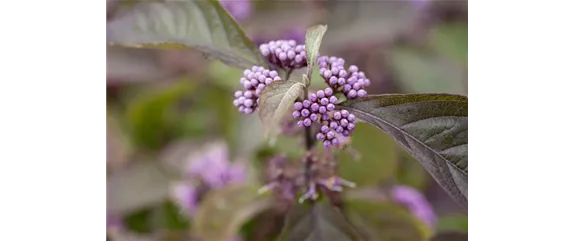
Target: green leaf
[144, 184]
[274, 102]
[451, 39]
[378, 157]
[319, 222]
[149, 112]
[433, 128]
[450, 236]
[223, 211]
[456, 222]
[385, 221]
[313, 39]
[427, 73]
[201, 25]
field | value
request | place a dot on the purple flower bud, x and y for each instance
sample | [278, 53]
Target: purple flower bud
[248, 110]
[320, 136]
[291, 54]
[298, 59]
[324, 101]
[236, 102]
[264, 51]
[300, 123]
[327, 74]
[283, 56]
[315, 107]
[298, 105]
[337, 115]
[306, 103]
[254, 82]
[296, 114]
[330, 107]
[341, 81]
[307, 122]
[238, 94]
[328, 92]
[340, 129]
[320, 94]
[276, 78]
[367, 82]
[312, 97]
[248, 94]
[305, 112]
[322, 109]
[273, 74]
[247, 85]
[321, 71]
[314, 117]
[324, 116]
[333, 100]
[346, 133]
[333, 59]
[260, 86]
[342, 73]
[327, 144]
[361, 93]
[324, 128]
[268, 81]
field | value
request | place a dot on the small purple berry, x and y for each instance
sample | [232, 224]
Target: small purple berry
[322, 109]
[344, 122]
[342, 73]
[298, 59]
[327, 144]
[328, 92]
[298, 105]
[353, 68]
[346, 133]
[314, 117]
[357, 86]
[254, 68]
[273, 74]
[238, 94]
[290, 54]
[340, 129]
[330, 107]
[333, 80]
[296, 114]
[320, 94]
[324, 128]
[352, 80]
[254, 82]
[260, 86]
[248, 103]
[324, 101]
[283, 56]
[242, 109]
[361, 93]
[351, 126]
[330, 135]
[335, 142]
[248, 110]
[241, 99]
[327, 74]
[305, 112]
[341, 81]
[351, 117]
[268, 81]
[333, 125]
[261, 78]
[300, 123]
[307, 122]
[347, 88]
[321, 71]
[320, 136]
[248, 94]
[250, 75]
[236, 102]
[344, 113]
[312, 97]
[337, 115]
[333, 100]
[314, 107]
[306, 103]
[352, 94]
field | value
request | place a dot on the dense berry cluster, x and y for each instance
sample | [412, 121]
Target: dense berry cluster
[253, 80]
[351, 82]
[320, 107]
[285, 54]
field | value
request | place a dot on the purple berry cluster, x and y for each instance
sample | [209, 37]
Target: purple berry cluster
[285, 54]
[351, 82]
[253, 80]
[320, 107]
